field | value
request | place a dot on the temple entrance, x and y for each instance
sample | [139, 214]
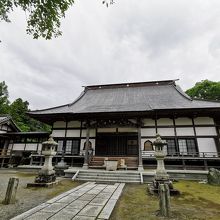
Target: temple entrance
[116, 144]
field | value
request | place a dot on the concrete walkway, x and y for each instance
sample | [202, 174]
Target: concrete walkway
[88, 201]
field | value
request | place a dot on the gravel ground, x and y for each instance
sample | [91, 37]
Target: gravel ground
[27, 198]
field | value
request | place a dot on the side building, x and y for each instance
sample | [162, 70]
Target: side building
[16, 146]
[121, 121]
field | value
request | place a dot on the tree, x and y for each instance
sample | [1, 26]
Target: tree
[43, 16]
[18, 109]
[205, 90]
[4, 102]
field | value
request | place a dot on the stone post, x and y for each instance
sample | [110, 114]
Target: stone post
[10, 195]
[164, 200]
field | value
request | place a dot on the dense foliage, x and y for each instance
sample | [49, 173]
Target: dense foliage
[17, 110]
[43, 16]
[205, 90]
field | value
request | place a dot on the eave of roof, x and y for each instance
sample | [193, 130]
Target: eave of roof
[128, 98]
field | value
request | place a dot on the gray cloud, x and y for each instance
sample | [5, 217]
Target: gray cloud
[129, 41]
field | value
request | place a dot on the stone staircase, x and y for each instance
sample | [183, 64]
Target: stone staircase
[109, 176]
[98, 162]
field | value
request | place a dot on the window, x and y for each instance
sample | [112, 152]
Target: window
[72, 147]
[148, 146]
[60, 146]
[171, 147]
[187, 146]
[69, 145]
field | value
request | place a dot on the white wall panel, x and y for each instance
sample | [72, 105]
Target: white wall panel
[31, 147]
[148, 131]
[185, 131]
[92, 133]
[72, 124]
[207, 145]
[148, 122]
[58, 133]
[127, 129]
[183, 121]
[164, 121]
[107, 130]
[205, 131]
[73, 133]
[166, 131]
[18, 146]
[59, 124]
[203, 121]
[39, 148]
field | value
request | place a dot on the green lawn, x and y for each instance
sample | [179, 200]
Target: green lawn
[197, 201]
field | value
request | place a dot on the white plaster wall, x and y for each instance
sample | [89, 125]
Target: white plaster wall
[185, 131]
[183, 121]
[165, 131]
[31, 147]
[10, 146]
[58, 133]
[92, 133]
[2, 132]
[39, 148]
[18, 146]
[72, 124]
[73, 133]
[107, 130]
[127, 129]
[205, 131]
[148, 122]
[59, 124]
[148, 131]
[5, 127]
[203, 121]
[207, 145]
[164, 121]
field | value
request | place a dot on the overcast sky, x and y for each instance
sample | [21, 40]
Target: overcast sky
[133, 40]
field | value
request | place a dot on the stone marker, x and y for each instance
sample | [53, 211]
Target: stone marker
[214, 176]
[164, 200]
[10, 195]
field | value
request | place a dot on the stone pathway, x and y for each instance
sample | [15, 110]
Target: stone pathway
[88, 201]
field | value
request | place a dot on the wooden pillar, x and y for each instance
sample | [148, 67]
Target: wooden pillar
[140, 162]
[86, 156]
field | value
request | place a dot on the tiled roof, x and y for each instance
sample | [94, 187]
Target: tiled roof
[130, 97]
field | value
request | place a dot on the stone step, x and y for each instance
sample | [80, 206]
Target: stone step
[108, 180]
[109, 177]
[112, 173]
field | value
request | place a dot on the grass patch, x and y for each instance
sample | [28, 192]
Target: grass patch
[197, 201]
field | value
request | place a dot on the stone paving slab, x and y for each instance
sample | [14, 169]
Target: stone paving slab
[88, 201]
[65, 214]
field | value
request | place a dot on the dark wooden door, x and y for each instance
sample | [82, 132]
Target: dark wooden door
[116, 144]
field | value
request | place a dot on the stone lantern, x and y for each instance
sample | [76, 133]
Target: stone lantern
[47, 173]
[160, 154]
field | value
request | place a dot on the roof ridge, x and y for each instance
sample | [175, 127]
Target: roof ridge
[181, 92]
[78, 98]
[119, 85]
